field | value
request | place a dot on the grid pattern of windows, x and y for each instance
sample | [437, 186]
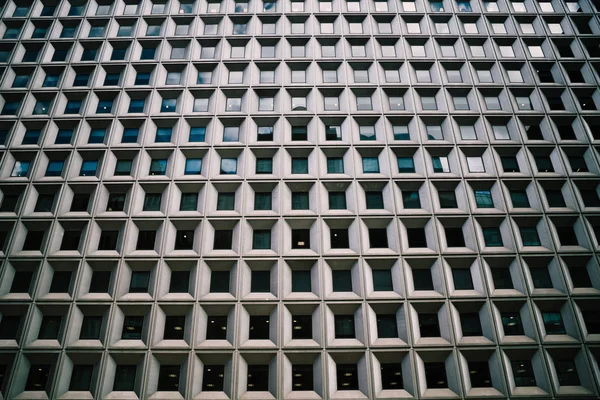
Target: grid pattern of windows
[361, 199]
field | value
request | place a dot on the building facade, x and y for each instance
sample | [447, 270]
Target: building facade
[299, 199]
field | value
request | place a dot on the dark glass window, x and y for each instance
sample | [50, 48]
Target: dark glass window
[258, 378]
[567, 373]
[544, 164]
[299, 133]
[108, 240]
[462, 279]
[81, 378]
[335, 165]
[391, 376]
[511, 322]
[382, 280]
[168, 378]
[262, 201]
[435, 375]
[470, 324]
[567, 236]
[44, 203]
[411, 199]
[219, 281]
[502, 278]
[519, 199]
[300, 165]
[301, 327]
[33, 240]
[483, 199]
[261, 282]
[342, 280]
[61, 281]
[80, 202]
[553, 323]
[223, 239]
[416, 237]
[339, 239]
[259, 327]
[146, 240]
[139, 282]
[529, 236]
[174, 327]
[9, 327]
[447, 199]
[523, 373]
[347, 376]
[429, 325]
[479, 372]
[387, 326]
[300, 201]
[216, 328]
[541, 277]
[180, 281]
[555, 198]
[423, 279]
[184, 240]
[9, 202]
[301, 281]
[300, 238]
[213, 378]
[510, 164]
[374, 200]
[225, 201]
[580, 277]
[188, 202]
[302, 377]
[90, 327]
[455, 237]
[344, 327]
[37, 379]
[261, 239]
[378, 238]
[116, 202]
[337, 200]
[100, 281]
[132, 327]
[125, 378]
[50, 327]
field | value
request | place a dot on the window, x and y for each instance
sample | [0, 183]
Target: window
[396, 103]
[411, 199]
[440, 164]
[339, 238]
[219, 283]
[146, 240]
[261, 239]
[21, 169]
[374, 200]
[387, 326]
[475, 164]
[333, 132]
[523, 373]
[553, 323]
[213, 377]
[226, 201]
[258, 378]
[344, 327]
[301, 282]
[462, 277]
[337, 200]
[447, 199]
[261, 282]
[300, 165]
[300, 201]
[401, 132]
[197, 134]
[483, 199]
[91, 327]
[429, 325]
[174, 327]
[332, 104]
[184, 240]
[259, 327]
[541, 277]
[228, 166]
[9, 327]
[88, 168]
[139, 282]
[567, 372]
[529, 236]
[264, 166]
[382, 280]
[50, 327]
[137, 105]
[37, 378]
[370, 165]
[262, 201]
[470, 324]
[193, 166]
[511, 322]
[168, 378]
[152, 202]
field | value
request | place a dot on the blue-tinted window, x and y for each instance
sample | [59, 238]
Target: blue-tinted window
[41, 108]
[130, 135]
[31, 136]
[158, 167]
[73, 107]
[81, 79]
[64, 136]
[51, 80]
[55, 168]
[21, 81]
[168, 105]
[406, 164]
[112, 78]
[193, 166]
[137, 105]
[370, 165]
[163, 135]
[21, 168]
[142, 78]
[89, 168]
[11, 107]
[229, 166]
[104, 107]
[197, 134]
[97, 135]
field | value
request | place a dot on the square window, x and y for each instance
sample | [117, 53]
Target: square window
[344, 327]
[370, 165]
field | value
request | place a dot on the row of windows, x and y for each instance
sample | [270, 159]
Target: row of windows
[352, 25]
[241, 100]
[417, 278]
[268, 162]
[432, 321]
[531, 234]
[189, 7]
[392, 373]
[299, 48]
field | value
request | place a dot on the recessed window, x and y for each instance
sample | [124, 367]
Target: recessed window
[213, 377]
[262, 201]
[301, 281]
[344, 327]
[387, 326]
[261, 239]
[258, 378]
[347, 377]
[523, 373]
